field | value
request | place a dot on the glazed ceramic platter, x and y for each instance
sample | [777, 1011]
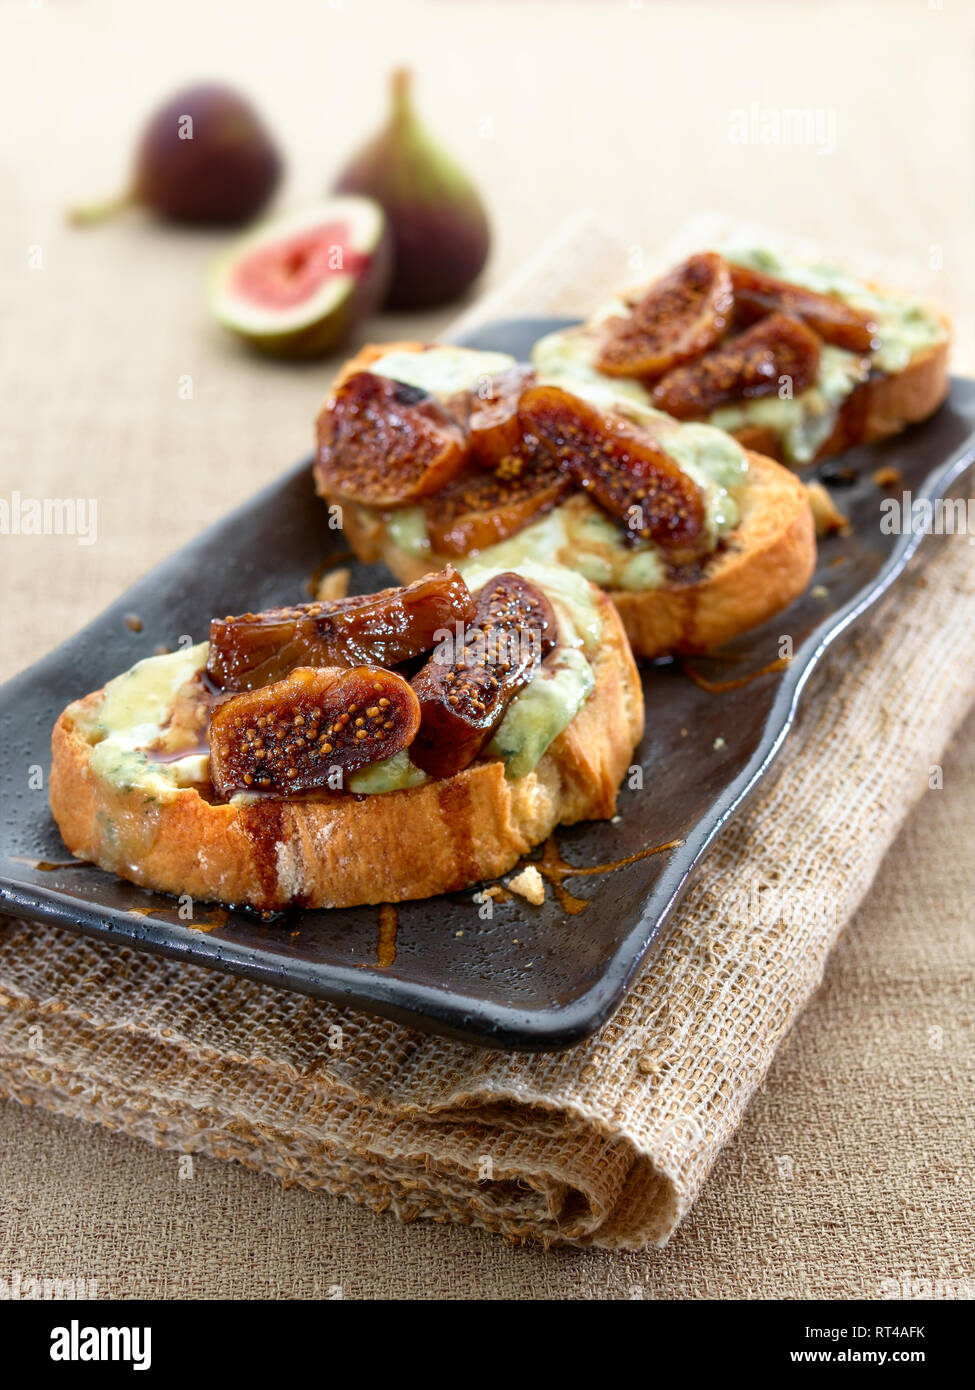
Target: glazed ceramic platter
[526, 977]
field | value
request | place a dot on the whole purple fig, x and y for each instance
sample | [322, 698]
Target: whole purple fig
[441, 236]
[205, 157]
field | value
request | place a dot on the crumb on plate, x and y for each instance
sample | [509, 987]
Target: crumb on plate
[335, 584]
[529, 885]
[827, 516]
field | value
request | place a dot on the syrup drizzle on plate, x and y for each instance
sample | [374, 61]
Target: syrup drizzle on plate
[555, 870]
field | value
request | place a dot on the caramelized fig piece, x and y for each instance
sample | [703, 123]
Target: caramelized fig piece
[464, 691]
[494, 428]
[622, 468]
[479, 509]
[747, 366]
[682, 315]
[310, 730]
[368, 629]
[386, 444]
[757, 295]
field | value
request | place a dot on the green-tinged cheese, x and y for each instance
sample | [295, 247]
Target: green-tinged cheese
[567, 358]
[577, 534]
[442, 371]
[144, 694]
[391, 775]
[804, 422]
[586, 539]
[131, 718]
[643, 570]
[548, 704]
[574, 601]
[904, 327]
[537, 716]
[137, 706]
[407, 527]
[709, 456]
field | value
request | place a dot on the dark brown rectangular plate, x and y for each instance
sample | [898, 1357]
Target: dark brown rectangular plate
[528, 978]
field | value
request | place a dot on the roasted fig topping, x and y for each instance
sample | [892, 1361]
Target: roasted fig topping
[479, 509]
[621, 467]
[494, 428]
[369, 629]
[680, 316]
[749, 365]
[464, 691]
[310, 730]
[757, 295]
[386, 444]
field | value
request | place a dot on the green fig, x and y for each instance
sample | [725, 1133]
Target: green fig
[440, 230]
[204, 157]
[299, 285]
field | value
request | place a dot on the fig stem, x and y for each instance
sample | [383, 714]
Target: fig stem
[400, 87]
[92, 213]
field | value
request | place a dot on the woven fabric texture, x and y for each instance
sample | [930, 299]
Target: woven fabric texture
[610, 1143]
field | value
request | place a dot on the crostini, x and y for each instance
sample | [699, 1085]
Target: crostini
[368, 750]
[440, 454]
[798, 360]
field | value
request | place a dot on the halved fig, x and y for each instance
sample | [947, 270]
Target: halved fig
[464, 690]
[386, 444]
[750, 365]
[297, 286]
[622, 468]
[382, 629]
[494, 429]
[758, 294]
[310, 730]
[479, 509]
[681, 315]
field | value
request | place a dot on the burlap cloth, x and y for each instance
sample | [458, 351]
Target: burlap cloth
[610, 1143]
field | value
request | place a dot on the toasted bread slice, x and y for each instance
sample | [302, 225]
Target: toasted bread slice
[878, 408]
[766, 564]
[344, 850]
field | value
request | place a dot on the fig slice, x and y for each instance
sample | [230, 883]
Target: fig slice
[758, 294]
[743, 368]
[386, 444]
[382, 629]
[479, 509]
[309, 730]
[299, 285]
[494, 430]
[681, 315]
[464, 689]
[621, 467]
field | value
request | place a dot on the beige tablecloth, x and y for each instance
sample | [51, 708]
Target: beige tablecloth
[852, 1167]
[609, 1143]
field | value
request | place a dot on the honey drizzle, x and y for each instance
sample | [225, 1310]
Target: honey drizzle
[717, 687]
[555, 869]
[388, 926]
[386, 945]
[49, 865]
[213, 920]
